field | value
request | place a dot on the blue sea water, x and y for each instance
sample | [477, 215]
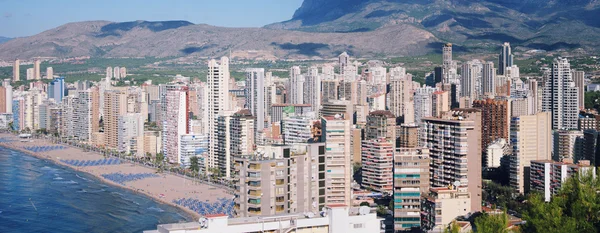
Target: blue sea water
[39, 196]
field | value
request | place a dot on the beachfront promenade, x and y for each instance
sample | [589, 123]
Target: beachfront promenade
[201, 197]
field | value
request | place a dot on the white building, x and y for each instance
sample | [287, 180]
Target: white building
[297, 129]
[218, 101]
[336, 133]
[423, 103]
[175, 122]
[335, 219]
[130, 136]
[296, 90]
[561, 97]
[192, 145]
[255, 99]
[82, 115]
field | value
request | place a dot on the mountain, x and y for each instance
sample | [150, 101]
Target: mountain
[471, 24]
[181, 38]
[325, 28]
[4, 39]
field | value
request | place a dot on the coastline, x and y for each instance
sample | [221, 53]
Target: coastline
[150, 190]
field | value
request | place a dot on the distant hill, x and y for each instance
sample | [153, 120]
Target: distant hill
[180, 38]
[4, 39]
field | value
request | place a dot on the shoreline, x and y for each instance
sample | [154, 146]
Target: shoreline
[96, 172]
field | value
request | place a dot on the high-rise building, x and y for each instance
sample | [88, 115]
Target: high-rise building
[579, 79]
[224, 161]
[548, 176]
[36, 69]
[407, 136]
[495, 116]
[296, 91]
[3, 100]
[440, 103]
[401, 96]
[343, 62]
[488, 79]
[130, 137]
[568, 144]
[176, 122]
[454, 144]
[57, 89]
[531, 140]
[411, 182]
[109, 73]
[17, 71]
[117, 73]
[423, 103]
[49, 73]
[312, 89]
[381, 124]
[30, 74]
[561, 96]
[505, 59]
[297, 129]
[591, 146]
[242, 134]
[218, 102]
[115, 105]
[329, 90]
[338, 178]
[377, 164]
[447, 55]
[82, 115]
[255, 96]
[468, 79]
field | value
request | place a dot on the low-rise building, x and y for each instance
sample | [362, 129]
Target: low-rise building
[547, 176]
[335, 219]
[442, 206]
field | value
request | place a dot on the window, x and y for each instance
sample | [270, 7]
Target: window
[358, 225]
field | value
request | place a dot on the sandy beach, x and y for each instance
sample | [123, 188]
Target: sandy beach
[165, 188]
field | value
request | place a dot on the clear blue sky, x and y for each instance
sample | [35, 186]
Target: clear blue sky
[29, 17]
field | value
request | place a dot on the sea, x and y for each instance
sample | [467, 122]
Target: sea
[37, 195]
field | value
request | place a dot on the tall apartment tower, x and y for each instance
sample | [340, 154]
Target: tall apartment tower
[411, 182]
[488, 81]
[176, 120]
[296, 91]
[312, 89]
[36, 69]
[242, 125]
[423, 103]
[377, 164]
[495, 115]
[561, 96]
[343, 62]
[506, 59]
[579, 79]
[17, 71]
[447, 55]
[531, 139]
[115, 105]
[49, 73]
[381, 124]
[401, 97]
[218, 101]
[468, 79]
[255, 99]
[338, 178]
[82, 115]
[454, 143]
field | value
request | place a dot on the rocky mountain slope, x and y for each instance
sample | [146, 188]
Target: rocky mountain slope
[180, 38]
[539, 24]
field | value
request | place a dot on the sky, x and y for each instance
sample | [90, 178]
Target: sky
[20, 18]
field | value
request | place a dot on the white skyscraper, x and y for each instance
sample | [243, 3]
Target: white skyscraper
[109, 73]
[468, 79]
[49, 73]
[561, 96]
[218, 102]
[117, 73]
[312, 89]
[82, 115]
[401, 94]
[488, 81]
[296, 90]
[255, 99]
[423, 103]
[343, 61]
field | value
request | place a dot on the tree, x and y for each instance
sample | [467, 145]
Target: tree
[381, 211]
[453, 228]
[497, 223]
[160, 157]
[364, 203]
[574, 208]
[194, 164]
